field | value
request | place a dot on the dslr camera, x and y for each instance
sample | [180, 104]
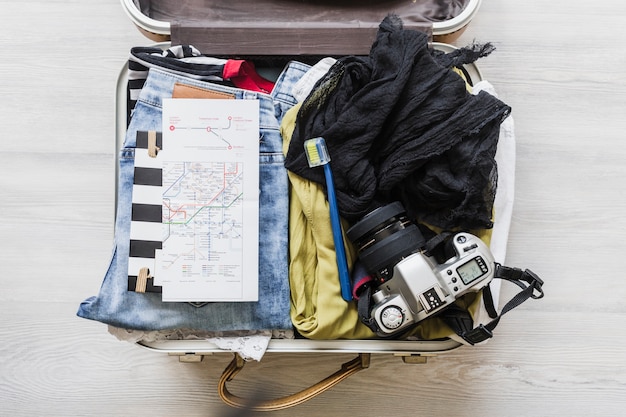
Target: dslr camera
[410, 284]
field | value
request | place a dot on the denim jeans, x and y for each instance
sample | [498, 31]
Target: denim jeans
[117, 306]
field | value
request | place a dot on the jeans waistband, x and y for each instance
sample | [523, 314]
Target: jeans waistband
[283, 88]
[160, 84]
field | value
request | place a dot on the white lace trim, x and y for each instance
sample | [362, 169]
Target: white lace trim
[251, 345]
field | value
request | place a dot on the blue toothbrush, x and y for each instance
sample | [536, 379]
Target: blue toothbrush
[317, 154]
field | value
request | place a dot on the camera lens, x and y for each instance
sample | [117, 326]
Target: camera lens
[384, 237]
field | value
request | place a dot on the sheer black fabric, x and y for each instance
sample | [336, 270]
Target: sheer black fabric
[400, 125]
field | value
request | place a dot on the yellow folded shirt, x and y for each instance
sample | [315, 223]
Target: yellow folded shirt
[317, 309]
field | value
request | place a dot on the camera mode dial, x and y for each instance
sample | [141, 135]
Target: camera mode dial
[392, 317]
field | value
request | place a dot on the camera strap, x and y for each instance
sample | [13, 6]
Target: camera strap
[460, 321]
[364, 301]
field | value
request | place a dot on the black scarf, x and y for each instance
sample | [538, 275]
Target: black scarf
[400, 125]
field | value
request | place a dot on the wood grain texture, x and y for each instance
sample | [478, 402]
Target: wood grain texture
[559, 64]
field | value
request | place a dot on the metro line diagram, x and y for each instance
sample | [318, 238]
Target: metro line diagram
[213, 130]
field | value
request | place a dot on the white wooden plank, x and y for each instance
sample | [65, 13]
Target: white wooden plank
[559, 64]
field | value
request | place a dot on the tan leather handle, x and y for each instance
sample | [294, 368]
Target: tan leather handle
[360, 362]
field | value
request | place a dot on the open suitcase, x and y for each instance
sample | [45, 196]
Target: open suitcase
[304, 29]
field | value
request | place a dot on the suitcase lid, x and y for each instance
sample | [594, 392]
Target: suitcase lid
[292, 27]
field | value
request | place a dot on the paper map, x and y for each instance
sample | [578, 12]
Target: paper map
[210, 200]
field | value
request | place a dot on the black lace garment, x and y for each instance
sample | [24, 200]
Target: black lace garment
[400, 125]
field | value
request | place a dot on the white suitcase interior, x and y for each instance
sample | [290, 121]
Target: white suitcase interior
[504, 199]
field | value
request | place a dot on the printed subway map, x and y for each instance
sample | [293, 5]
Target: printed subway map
[210, 200]
[203, 216]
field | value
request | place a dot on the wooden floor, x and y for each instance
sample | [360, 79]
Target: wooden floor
[559, 64]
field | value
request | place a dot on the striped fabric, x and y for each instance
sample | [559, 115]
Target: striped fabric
[182, 60]
[146, 232]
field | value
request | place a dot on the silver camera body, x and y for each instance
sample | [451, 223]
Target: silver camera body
[412, 285]
[420, 287]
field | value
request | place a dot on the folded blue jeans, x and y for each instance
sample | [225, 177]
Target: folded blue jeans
[117, 306]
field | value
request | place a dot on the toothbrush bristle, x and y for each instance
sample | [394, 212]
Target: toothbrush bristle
[312, 153]
[316, 152]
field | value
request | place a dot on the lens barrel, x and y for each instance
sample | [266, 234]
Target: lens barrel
[384, 237]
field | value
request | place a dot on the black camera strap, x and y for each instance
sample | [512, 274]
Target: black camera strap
[364, 303]
[460, 320]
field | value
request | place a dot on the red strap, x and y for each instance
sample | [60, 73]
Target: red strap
[243, 74]
[356, 290]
